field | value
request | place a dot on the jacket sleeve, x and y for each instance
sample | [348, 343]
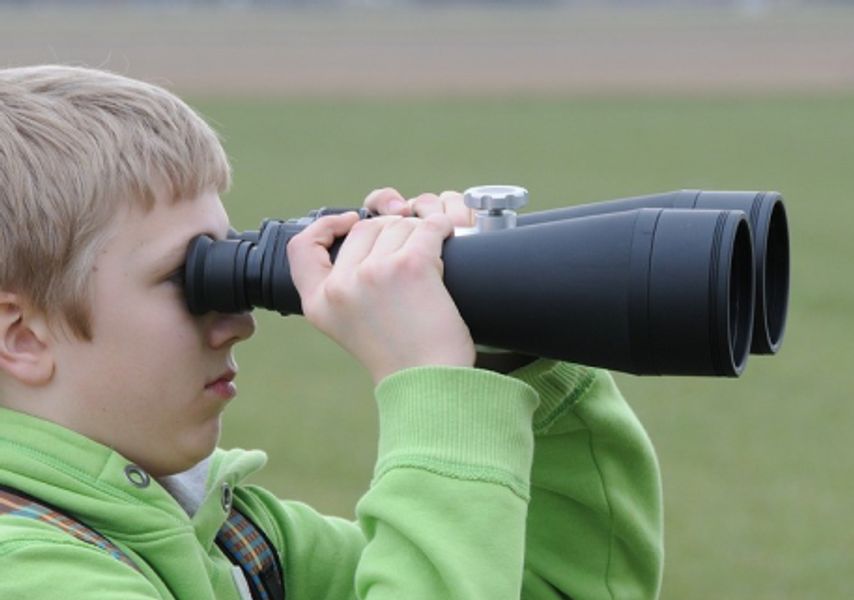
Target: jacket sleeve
[595, 527]
[444, 517]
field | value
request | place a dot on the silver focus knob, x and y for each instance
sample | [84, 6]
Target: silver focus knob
[496, 205]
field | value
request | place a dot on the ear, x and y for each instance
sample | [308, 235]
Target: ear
[24, 350]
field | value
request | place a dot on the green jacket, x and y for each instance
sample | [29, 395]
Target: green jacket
[540, 486]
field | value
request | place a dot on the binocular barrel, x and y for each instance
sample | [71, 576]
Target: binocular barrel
[649, 291]
[767, 215]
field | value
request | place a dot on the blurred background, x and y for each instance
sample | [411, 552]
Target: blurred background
[320, 102]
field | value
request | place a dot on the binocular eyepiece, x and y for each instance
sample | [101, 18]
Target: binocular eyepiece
[681, 283]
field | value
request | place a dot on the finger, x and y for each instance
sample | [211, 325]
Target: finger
[393, 236]
[455, 207]
[428, 235]
[363, 238]
[426, 204]
[308, 251]
[387, 201]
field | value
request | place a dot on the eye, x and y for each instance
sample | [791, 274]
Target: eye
[177, 277]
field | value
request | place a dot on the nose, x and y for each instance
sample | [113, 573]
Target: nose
[228, 329]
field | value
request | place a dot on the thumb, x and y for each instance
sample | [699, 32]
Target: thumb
[308, 251]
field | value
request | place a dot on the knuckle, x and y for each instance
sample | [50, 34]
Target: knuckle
[337, 294]
[378, 273]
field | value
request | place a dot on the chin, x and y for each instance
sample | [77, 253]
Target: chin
[186, 460]
[178, 467]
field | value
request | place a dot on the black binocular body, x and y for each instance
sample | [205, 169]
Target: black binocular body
[682, 283]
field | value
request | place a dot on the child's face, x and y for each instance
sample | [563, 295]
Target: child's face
[154, 380]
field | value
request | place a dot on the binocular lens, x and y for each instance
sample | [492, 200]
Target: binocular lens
[772, 297]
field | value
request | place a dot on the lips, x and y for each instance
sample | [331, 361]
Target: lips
[223, 386]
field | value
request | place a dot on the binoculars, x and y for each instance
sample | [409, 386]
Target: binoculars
[686, 283]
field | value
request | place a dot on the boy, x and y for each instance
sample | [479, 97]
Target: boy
[111, 392]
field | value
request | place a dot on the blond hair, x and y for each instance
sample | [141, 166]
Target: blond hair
[76, 144]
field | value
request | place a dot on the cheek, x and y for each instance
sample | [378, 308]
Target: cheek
[147, 339]
[158, 377]
[170, 342]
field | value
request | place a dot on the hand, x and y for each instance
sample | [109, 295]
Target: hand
[388, 201]
[383, 299]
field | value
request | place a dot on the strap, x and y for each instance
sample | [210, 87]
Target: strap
[18, 504]
[248, 547]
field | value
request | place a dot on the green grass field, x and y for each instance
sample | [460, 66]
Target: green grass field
[757, 471]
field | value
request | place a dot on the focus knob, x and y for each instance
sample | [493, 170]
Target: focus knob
[495, 198]
[497, 205]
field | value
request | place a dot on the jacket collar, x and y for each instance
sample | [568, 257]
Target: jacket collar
[108, 492]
